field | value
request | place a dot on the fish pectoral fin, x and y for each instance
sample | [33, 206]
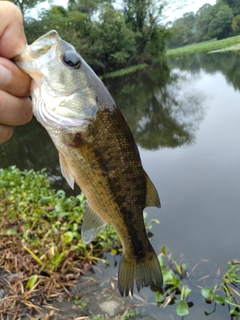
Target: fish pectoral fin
[66, 171]
[152, 197]
[92, 225]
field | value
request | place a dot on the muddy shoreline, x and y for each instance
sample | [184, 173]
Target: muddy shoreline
[89, 297]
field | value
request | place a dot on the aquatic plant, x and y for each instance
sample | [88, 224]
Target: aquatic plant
[228, 291]
[175, 275]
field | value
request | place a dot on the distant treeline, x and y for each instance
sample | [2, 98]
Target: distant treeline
[107, 35]
[210, 22]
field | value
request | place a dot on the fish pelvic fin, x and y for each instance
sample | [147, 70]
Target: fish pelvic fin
[143, 271]
[92, 225]
[66, 171]
[152, 197]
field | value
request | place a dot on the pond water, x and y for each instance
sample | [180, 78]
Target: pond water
[186, 124]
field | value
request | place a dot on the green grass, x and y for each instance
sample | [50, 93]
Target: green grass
[204, 47]
[45, 222]
[123, 72]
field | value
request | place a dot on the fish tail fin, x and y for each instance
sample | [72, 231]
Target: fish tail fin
[143, 271]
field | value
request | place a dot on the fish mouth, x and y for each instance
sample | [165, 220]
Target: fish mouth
[44, 43]
[39, 46]
[27, 60]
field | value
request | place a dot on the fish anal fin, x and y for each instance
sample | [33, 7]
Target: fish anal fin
[92, 225]
[152, 197]
[66, 171]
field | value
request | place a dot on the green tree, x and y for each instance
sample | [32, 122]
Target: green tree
[220, 25]
[233, 4]
[108, 38]
[214, 21]
[183, 31]
[71, 26]
[112, 43]
[236, 25]
[89, 7]
[143, 18]
[203, 9]
[204, 16]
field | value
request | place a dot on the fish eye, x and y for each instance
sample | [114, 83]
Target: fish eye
[72, 60]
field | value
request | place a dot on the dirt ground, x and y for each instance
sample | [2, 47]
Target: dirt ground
[88, 298]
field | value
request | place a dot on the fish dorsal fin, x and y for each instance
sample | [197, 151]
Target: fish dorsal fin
[66, 172]
[152, 198]
[92, 225]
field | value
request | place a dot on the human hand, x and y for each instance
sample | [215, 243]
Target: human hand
[15, 106]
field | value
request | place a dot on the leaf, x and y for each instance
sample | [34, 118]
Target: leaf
[187, 291]
[11, 232]
[161, 261]
[164, 250]
[167, 275]
[31, 282]
[219, 299]
[160, 297]
[235, 312]
[207, 293]
[182, 309]
[176, 282]
[68, 237]
[228, 300]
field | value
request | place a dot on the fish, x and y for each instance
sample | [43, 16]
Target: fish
[97, 151]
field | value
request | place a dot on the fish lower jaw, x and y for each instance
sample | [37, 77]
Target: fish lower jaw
[49, 118]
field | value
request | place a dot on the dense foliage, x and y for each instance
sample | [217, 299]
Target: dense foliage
[109, 36]
[46, 221]
[210, 22]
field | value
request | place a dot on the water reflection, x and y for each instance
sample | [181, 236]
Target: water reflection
[30, 147]
[159, 105]
[228, 63]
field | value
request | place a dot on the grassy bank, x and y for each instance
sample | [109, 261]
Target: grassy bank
[40, 242]
[204, 46]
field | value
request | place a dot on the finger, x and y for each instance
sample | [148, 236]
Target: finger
[13, 80]
[5, 133]
[14, 111]
[13, 40]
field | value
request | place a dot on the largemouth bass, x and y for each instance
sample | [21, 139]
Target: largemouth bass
[96, 150]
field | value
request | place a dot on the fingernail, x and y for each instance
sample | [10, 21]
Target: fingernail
[5, 75]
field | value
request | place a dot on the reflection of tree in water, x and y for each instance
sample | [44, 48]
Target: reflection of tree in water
[30, 147]
[159, 106]
[228, 63]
